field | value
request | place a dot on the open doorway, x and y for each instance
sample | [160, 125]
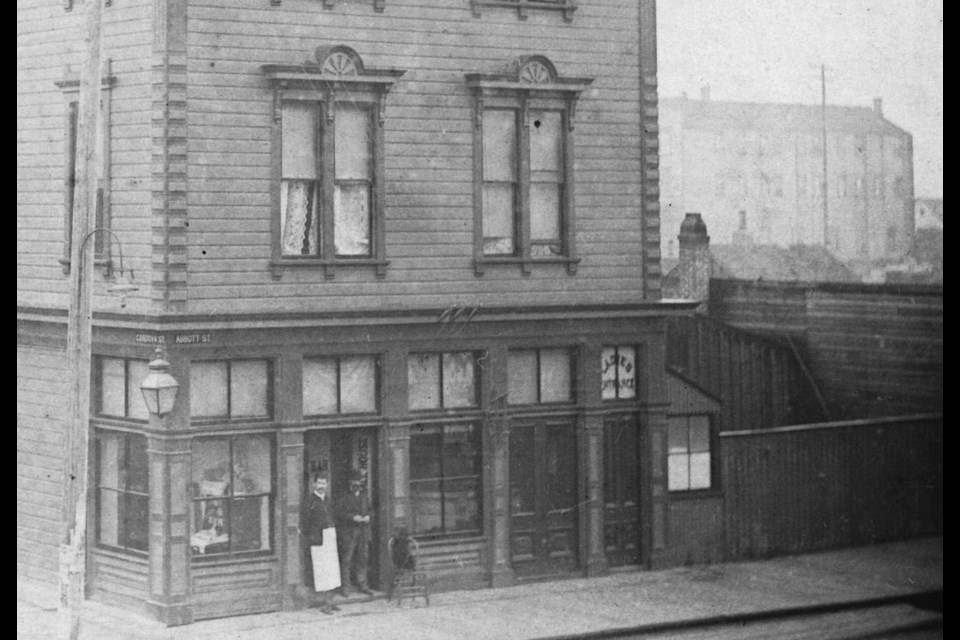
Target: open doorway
[341, 453]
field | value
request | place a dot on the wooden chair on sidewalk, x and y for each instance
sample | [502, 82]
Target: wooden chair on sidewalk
[407, 581]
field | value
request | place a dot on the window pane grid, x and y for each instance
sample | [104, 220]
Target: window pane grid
[122, 498]
[232, 514]
[689, 457]
[445, 503]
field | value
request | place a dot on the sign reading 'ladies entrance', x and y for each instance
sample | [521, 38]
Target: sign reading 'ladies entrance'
[177, 338]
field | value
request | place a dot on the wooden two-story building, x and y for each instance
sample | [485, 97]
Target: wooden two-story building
[414, 238]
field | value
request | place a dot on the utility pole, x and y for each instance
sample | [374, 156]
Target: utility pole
[79, 327]
[823, 120]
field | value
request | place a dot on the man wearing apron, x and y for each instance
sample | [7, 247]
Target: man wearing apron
[322, 541]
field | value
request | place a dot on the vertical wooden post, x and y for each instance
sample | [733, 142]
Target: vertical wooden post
[79, 329]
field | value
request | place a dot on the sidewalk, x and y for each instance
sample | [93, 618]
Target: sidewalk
[545, 609]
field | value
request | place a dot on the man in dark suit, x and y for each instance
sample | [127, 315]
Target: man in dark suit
[354, 531]
[317, 517]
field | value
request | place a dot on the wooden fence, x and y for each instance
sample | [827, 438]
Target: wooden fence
[760, 381]
[831, 485]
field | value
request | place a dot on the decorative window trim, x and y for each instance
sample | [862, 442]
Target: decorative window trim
[70, 87]
[338, 75]
[524, 6]
[529, 82]
[378, 5]
[68, 5]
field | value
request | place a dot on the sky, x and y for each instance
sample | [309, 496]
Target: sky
[771, 51]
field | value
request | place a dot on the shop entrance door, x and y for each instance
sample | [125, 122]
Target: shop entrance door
[543, 498]
[338, 452]
[621, 490]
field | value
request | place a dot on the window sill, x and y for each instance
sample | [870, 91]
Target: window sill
[523, 6]
[681, 495]
[525, 264]
[241, 557]
[99, 262]
[140, 557]
[329, 266]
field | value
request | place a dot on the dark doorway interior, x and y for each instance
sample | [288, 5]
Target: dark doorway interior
[338, 452]
[621, 490]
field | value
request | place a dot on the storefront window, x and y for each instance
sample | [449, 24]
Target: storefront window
[122, 499]
[230, 389]
[232, 490]
[689, 459]
[445, 380]
[117, 383]
[540, 376]
[343, 385]
[445, 479]
[619, 373]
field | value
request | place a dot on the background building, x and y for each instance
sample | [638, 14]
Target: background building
[756, 171]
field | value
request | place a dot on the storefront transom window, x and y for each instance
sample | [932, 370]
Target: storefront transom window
[342, 385]
[230, 389]
[540, 376]
[446, 380]
[619, 373]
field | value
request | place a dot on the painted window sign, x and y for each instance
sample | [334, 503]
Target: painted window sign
[618, 373]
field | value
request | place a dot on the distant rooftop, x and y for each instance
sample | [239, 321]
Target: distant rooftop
[799, 263]
[716, 114]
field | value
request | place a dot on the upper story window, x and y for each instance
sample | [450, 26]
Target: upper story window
[523, 7]
[618, 372]
[442, 380]
[230, 389]
[71, 166]
[117, 388]
[328, 162]
[540, 376]
[523, 166]
[340, 385]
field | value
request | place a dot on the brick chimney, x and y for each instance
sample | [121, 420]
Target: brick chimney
[742, 236]
[695, 267]
[878, 106]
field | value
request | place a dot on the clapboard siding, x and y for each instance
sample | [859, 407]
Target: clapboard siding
[49, 49]
[428, 148]
[41, 428]
[873, 349]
